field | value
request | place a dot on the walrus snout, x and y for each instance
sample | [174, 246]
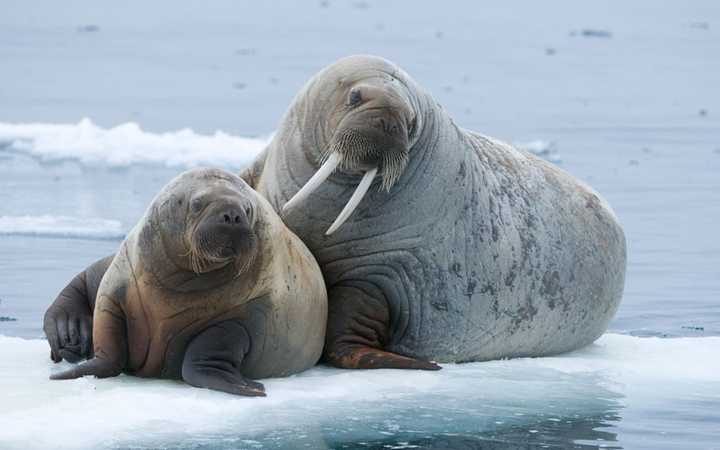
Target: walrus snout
[234, 227]
[233, 217]
[371, 140]
[373, 135]
[389, 127]
[226, 225]
[224, 234]
[376, 109]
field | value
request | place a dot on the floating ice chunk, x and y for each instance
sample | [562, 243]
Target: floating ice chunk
[592, 390]
[61, 226]
[127, 144]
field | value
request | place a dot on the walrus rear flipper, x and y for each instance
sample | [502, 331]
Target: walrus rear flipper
[361, 357]
[214, 358]
[101, 368]
[357, 329]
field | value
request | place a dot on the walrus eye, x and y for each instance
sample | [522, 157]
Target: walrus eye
[355, 98]
[196, 205]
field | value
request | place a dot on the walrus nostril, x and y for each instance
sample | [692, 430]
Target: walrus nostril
[232, 218]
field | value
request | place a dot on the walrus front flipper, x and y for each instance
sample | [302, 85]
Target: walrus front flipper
[110, 337]
[68, 321]
[358, 329]
[214, 357]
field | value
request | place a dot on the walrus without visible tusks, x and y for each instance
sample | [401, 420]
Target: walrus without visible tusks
[436, 243]
[210, 287]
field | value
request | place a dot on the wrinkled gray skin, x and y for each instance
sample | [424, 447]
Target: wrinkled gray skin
[477, 251]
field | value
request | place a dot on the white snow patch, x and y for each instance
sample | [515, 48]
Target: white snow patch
[61, 226]
[89, 412]
[128, 144]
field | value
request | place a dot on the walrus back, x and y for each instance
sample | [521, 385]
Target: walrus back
[540, 269]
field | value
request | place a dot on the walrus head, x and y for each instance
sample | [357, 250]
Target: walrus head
[207, 219]
[220, 231]
[371, 120]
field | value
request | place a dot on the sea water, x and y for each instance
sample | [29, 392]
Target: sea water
[102, 104]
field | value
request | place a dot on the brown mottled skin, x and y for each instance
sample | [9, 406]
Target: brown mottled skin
[255, 307]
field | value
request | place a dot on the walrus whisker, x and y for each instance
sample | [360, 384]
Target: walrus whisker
[198, 256]
[392, 168]
[195, 263]
[354, 201]
[190, 254]
[204, 256]
[356, 149]
[317, 179]
[244, 266]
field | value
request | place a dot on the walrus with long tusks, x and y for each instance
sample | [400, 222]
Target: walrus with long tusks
[436, 243]
[210, 287]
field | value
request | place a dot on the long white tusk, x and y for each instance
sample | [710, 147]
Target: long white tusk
[354, 200]
[316, 180]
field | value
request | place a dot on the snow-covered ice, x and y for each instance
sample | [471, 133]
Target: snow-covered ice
[617, 377]
[127, 144]
[61, 226]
